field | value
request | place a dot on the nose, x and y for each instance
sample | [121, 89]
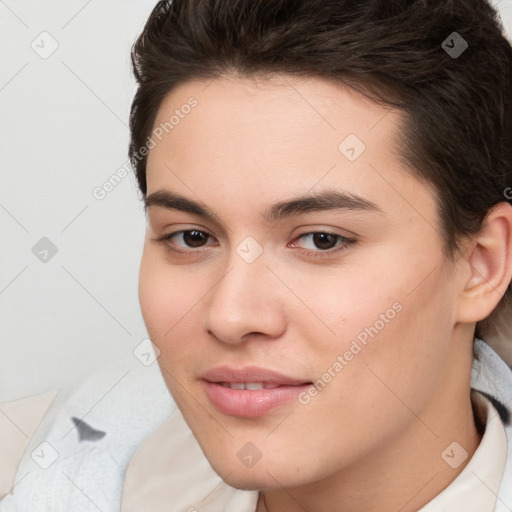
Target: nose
[245, 303]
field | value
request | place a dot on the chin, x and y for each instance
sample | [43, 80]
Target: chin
[263, 476]
[249, 481]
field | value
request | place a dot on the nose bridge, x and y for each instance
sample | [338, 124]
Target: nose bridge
[244, 300]
[246, 269]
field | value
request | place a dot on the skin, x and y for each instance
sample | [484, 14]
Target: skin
[372, 438]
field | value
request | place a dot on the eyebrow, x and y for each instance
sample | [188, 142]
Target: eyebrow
[327, 200]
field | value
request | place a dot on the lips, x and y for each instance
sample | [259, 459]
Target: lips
[250, 392]
[250, 374]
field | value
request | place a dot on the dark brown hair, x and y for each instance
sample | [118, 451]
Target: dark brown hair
[457, 134]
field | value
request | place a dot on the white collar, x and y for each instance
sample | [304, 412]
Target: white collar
[476, 487]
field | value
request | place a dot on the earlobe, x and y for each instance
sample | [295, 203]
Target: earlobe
[489, 265]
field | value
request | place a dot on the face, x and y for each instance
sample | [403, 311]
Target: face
[345, 302]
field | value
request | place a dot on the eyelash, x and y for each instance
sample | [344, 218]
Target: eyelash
[345, 242]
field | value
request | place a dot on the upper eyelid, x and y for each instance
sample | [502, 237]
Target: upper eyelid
[181, 231]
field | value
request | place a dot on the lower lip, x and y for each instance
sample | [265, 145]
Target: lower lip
[250, 403]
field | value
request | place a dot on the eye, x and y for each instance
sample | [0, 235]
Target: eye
[321, 243]
[190, 238]
[326, 243]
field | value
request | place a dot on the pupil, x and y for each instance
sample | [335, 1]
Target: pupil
[324, 240]
[194, 238]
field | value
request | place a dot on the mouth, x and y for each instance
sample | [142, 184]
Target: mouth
[250, 376]
[251, 386]
[250, 392]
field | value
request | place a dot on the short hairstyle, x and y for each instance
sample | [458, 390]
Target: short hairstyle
[457, 133]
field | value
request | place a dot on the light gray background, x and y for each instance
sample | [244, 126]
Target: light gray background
[64, 132]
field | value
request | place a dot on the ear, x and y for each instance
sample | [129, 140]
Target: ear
[487, 266]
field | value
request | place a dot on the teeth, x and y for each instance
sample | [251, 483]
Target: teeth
[253, 385]
[249, 385]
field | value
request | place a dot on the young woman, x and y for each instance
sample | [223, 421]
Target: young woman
[328, 254]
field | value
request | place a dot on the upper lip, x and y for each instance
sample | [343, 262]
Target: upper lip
[250, 374]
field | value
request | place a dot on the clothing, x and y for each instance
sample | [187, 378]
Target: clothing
[127, 402]
[19, 420]
[136, 447]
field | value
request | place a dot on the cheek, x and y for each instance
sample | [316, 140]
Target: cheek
[152, 294]
[385, 317]
[166, 296]
[404, 350]
[338, 305]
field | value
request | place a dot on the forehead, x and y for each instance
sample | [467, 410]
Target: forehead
[259, 140]
[276, 114]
